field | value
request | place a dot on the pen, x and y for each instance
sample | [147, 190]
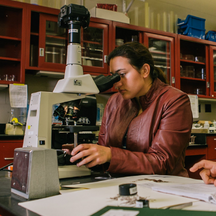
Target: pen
[179, 206]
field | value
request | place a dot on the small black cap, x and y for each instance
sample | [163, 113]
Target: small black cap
[142, 203]
[127, 189]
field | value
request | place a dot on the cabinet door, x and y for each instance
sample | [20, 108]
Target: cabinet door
[94, 42]
[212, 58]
[211, 141]
[193, 66]
[12, 37]
[123, 33]
[7, 150]
[162, 50]
[52, 43]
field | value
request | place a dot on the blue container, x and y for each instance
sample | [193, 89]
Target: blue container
[211, 36]
[192, 21]
[193, 32]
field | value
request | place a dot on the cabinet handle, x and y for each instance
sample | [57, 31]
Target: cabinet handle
[8, 158]
[105, 58]
[214, 138]
[41, 52]
[215, 148]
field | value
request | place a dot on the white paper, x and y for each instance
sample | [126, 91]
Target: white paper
[18, 95]
[201, 191]
[119, 212]
[101, 194]
[194, 105]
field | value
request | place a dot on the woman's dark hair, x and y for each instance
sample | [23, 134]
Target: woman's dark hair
[138, 55]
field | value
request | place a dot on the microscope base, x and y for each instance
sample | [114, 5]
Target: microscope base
[70, 171]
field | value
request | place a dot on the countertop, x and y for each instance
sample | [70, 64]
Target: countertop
[9, 201]
[11, 137]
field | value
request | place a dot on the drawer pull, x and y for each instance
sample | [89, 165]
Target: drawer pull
[214, 138]
[8, 158]
[215, 148]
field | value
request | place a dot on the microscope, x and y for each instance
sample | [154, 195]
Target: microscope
[74, 86]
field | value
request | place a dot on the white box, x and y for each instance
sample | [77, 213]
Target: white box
[110, 15]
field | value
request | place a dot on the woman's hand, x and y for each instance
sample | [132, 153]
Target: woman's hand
[208, 174]
[91, 155]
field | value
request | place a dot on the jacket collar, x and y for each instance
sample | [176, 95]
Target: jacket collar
[153, 92]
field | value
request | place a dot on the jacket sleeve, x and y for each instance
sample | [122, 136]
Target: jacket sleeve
[167, 148]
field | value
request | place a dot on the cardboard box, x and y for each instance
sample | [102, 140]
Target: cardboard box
[199, 130]
[110, 15]
[13, 129]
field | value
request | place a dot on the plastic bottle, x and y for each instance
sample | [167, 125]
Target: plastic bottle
[11, 115]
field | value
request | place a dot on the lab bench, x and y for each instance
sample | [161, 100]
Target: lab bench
[9, 201]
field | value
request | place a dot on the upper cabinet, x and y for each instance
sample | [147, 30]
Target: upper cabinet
[31, 41]
[52, 43]
[160, 46]
[95, 45]
[12, 42]
[123, 33]
[162, 50]
[212, 57]
[193, 65]
[46, 43]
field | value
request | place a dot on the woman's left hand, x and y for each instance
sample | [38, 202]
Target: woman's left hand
[91, 155]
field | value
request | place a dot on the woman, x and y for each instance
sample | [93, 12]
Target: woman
[146, 125]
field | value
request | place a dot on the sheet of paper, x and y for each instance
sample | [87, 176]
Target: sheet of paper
[119, 212]
[101, 194]
[201, 191]
[194, 105]
[18, 95]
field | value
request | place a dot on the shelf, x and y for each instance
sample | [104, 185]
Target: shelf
[57, 37]
[193, 62]
[3, 86]
[92, 49]
[55, 44]
[10, 59]
[91, 58]
[33, 33]
[191, 78]
[159, 52]
[10, 38]
[161, 57]
[92, 42]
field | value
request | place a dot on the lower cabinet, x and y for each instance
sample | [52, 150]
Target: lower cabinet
[211, 141]
[196, 153]
[193, 155]
[7, 150]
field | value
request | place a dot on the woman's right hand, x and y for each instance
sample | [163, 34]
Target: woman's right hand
[208, 174]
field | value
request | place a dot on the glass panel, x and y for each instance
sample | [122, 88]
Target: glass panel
[214, 60]
[160, 51]
[53, 29]
[92, 47]
[55, 51]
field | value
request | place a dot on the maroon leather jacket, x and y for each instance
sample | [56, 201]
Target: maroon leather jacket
[156, 139]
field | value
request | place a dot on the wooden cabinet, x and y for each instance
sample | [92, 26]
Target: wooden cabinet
[12, 42]
[95, 46]
[7, 150]
[193, 155]
[211, 141]
[212, 57]
[193, 66]
[162, 48]
[160, 44]
[46, 43]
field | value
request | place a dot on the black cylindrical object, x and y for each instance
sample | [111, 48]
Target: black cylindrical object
[127, 189]
[74, 31]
